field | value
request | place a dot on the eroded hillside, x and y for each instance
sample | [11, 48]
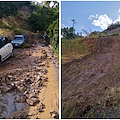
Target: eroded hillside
[90, 86]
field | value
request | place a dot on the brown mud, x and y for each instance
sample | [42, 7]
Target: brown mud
[28, 84]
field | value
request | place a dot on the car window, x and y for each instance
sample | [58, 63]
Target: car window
[5, 41]
[18, 38]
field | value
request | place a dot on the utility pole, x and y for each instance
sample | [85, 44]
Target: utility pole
[73, 25]
[74, 22]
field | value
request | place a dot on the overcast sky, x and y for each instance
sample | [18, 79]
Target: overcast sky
[94, 15]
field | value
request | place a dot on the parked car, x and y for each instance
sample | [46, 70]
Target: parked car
[18, 40]
[6, 48]
[25, 38]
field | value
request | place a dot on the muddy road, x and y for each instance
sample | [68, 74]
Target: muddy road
[29, 84]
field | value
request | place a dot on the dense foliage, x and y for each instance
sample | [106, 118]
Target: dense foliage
[46, 19]
[53, 33]
[41, 17]
[11, 8]
[68, 33]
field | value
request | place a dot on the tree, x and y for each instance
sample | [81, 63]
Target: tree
[11, 8]
[68, 33]
[113, 26]
[41, 18]
[46, 19]
[53, 33]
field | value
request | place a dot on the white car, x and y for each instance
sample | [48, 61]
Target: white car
[6, 48]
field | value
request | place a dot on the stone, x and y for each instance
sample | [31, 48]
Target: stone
[54, 114]
[20, 98]
[6, 88]
[40, 106]
[10, 76]
[32, 101]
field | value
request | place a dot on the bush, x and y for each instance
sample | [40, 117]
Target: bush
[16, 31]
[53, 33]
[24, 45]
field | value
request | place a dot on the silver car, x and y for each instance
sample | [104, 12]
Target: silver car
[18, 40]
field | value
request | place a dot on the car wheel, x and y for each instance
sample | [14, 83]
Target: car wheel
[11, 54]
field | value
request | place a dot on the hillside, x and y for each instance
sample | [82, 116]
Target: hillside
[10, 28]
[91, 85]
[114, 31]
[77, 48]
[13, 18]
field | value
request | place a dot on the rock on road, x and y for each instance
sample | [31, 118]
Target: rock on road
[29, 84]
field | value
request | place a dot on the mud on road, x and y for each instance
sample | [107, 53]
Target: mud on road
[23, 79]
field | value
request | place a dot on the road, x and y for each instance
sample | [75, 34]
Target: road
[29, 84]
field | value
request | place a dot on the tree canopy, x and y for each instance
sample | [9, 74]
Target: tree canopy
[11, 7]
[68, 33]
[42, 17]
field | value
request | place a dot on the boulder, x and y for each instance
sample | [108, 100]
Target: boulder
[40, 107]
[32, 101]
[54, 114]
[6, 88]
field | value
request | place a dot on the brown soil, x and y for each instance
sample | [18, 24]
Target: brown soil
[88, 81]
[28, 84]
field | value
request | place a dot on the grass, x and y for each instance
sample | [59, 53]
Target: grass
[70, 111]
[73, 49]
[12, 25]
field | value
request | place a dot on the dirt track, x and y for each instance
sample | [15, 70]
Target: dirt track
[26, 81]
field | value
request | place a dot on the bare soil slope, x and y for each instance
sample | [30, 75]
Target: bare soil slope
[89, 84]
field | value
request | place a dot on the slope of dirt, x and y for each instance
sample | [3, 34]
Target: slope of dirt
[88, 82]
[117, 30]
[24, 78]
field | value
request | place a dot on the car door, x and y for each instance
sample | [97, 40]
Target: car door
[5, 49]
[8, 46]
[2, 51]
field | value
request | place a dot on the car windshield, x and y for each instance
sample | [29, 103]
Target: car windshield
[18, 38]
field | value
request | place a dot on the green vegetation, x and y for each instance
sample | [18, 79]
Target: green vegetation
[113, 26]
[68, 33]
[11, 7]
[69, 111]
[26, 17]
[46, 19]
[73, 49]
[24, 45]
[114, 34]
[53, 33]
[41, 18]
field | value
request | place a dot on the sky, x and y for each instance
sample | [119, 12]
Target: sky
[89, 15]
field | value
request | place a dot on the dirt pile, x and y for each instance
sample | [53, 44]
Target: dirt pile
[88, 81]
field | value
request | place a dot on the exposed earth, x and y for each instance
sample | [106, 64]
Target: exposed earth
[91, 85]
[29, 83]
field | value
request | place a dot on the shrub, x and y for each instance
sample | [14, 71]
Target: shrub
[24, 45]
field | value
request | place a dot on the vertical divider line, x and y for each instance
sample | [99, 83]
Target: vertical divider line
[59, 59]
